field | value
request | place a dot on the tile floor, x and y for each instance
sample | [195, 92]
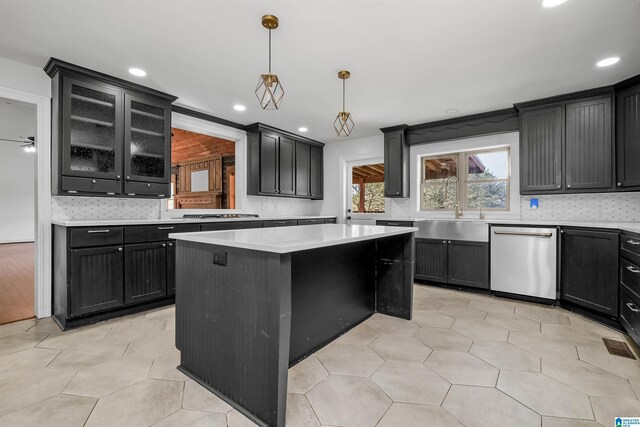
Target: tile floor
[464, 360]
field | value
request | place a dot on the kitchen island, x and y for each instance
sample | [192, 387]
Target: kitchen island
[251, 303]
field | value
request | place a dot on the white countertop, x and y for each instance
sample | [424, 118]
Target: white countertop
[292, 239]
[179, 220]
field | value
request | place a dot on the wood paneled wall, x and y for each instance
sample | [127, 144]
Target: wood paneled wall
[189, 146]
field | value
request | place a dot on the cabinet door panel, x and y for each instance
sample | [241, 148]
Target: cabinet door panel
[588, 145]
[393, 164]
[147, 140]
[468, 264]
[589, 270]
[145, 272]
[268, 164]
[541, 149]
[171, 268]
[431, 260]
[96, 281]
[628, 137]
[92, 130]
[302, 169]
[316, 172]
[287, 166]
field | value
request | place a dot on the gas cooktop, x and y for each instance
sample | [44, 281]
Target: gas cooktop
[204, 216]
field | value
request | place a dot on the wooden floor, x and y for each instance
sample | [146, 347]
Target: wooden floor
[16, 282]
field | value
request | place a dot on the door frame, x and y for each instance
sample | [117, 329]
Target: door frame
[42, 256]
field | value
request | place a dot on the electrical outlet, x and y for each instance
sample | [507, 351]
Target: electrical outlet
[220, 258]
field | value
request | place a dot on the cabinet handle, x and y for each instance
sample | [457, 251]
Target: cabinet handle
[568, 185]
[170, 244]
[118, 176]
[119, 249]
[160, 195]
[131, 194]
[281, 222]
[444, 241]
[93, 181]
[633, 242]
[165, 228]
[97, 231]
[111, 194]
[393, 223]
[148, 185]
[449, 242]
[558, 186]
[633, 307]
[633, 269]
[619, 184]
[128, 177]
[71, 191]
[164, 245]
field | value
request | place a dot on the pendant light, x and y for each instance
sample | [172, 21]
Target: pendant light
[343, 124]
[269, 90]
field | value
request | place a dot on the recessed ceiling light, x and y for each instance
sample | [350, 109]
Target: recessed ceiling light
[452, 110]
[302, 129]
[239, 107]
[139, 72]
[608, 61]
[552, 3]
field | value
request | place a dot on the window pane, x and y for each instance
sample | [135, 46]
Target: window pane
[487, 195]
[367, 189]
[439, 194]
[490, 165]
[440, 168]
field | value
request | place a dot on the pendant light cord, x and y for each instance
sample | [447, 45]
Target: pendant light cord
[343, 89]
[269, 50]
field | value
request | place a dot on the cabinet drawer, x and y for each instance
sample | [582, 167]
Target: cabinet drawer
[331, 220]
[630, 276]
[156, 233]
[95, 236]
[630, 315]
[280, 223]
[235, 225]
[630, 248]
[395, 223]
[310, 221]
[89, 185]
[133, 188]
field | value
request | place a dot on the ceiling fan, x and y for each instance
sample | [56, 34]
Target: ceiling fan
[28, 143]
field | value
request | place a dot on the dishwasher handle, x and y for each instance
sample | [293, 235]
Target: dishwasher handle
[523, 233]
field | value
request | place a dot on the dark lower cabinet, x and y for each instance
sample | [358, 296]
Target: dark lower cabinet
[431, 260]
[95, 282]
[589, 269]
[145, 272]
[455, 262]
[468, 264]
[171, 268]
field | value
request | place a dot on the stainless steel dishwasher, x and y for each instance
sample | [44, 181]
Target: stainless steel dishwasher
[523, 261]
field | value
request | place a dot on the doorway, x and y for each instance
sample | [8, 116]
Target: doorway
[18, 127]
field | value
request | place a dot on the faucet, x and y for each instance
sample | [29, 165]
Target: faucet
[481, 214]
[458, 209]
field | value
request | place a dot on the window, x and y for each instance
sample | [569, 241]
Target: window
[367, 188]
[473, 180]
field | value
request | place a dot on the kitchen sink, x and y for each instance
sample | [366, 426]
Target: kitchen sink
[476, 231]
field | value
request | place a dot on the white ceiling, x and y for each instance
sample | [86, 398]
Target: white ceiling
[410, 60]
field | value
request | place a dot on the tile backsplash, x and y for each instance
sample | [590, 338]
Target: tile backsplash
[72, 207]
[280, 206]
[622, 207]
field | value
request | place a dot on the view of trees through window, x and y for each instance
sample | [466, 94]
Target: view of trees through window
[481, 181]
[367, 194]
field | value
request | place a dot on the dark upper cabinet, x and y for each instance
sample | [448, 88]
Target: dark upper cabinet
[96, 279]
[431, 260]
[309, 175]
[541, 149]
[628, 137]
[269, 163]
[147, 140]
[396, 162]
[589, 269]
[109, 136]
[283, 164]
[468, 264]
[145, 272]
[287, 166]
[589, 145]
[567, 146]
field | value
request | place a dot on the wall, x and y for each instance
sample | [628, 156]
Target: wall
[17, 173]
[27, 78]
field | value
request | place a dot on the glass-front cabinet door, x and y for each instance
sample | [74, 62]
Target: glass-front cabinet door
[147, 133]
[92, 130]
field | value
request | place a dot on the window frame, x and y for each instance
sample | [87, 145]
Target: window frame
[462, 184]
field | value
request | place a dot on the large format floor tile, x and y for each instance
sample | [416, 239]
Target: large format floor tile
[124, 371]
